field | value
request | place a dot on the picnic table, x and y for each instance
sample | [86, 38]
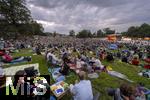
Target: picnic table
[60, 89]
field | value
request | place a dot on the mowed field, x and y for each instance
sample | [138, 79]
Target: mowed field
[100, 84]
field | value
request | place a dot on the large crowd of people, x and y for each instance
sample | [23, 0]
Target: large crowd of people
[83, 56]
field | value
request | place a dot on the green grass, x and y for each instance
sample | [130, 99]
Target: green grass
[101, 83]
[35, 59]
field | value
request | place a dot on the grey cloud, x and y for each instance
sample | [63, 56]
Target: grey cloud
[72, 3]
[90, 14]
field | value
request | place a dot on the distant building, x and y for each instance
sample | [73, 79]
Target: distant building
[114, 37]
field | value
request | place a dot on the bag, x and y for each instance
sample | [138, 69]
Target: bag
[52, 98]
[109, 68]
[30, 71]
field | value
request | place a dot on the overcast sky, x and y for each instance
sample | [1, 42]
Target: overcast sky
[64, 15]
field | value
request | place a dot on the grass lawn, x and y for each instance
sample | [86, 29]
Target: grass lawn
[101, 83]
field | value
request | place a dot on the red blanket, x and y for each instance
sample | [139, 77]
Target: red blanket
[147, 66]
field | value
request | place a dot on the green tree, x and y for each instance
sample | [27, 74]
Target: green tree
[15, 11]
[100, 33]
[145, 30]
[32, 28]
[89, 34]
[72, 33]
[37, 29]
[138, 31]
[84, 34]
[94, 34]
[16, 18]
[54, 34]
[108, 31]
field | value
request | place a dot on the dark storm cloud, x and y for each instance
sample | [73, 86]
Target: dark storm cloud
[73, 3]
[64, 15]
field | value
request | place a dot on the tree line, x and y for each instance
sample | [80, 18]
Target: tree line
[88, 34]
[138, 31]
[133, 32]
[15, 19]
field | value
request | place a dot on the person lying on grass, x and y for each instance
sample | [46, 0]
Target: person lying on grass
[7, 58]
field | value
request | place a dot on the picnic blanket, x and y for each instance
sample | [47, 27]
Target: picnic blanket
[12, 63]
[145, 73]
[56, 75]
[113, 46]
[125, 50]
[93, 75]
[12, 70]
[119, 75]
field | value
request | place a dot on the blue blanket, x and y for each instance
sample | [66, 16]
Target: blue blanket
[12, 63]
[56, 75]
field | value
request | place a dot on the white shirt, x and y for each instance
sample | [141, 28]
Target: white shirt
[54, 59]
[79, 64]
[82, 90]
[98, 63]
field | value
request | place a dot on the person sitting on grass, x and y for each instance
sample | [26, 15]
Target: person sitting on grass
[102, 55]
[82, 90]
[19, 81]
[135, 61]
[65, 67]
[140, 89]
[37, 49]
[125, 92]
[20, 87]
[124, 59]
[97, 65]
[79, 63]
[51, 58]
[118, 55]
[147, 61]
[110, 57]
